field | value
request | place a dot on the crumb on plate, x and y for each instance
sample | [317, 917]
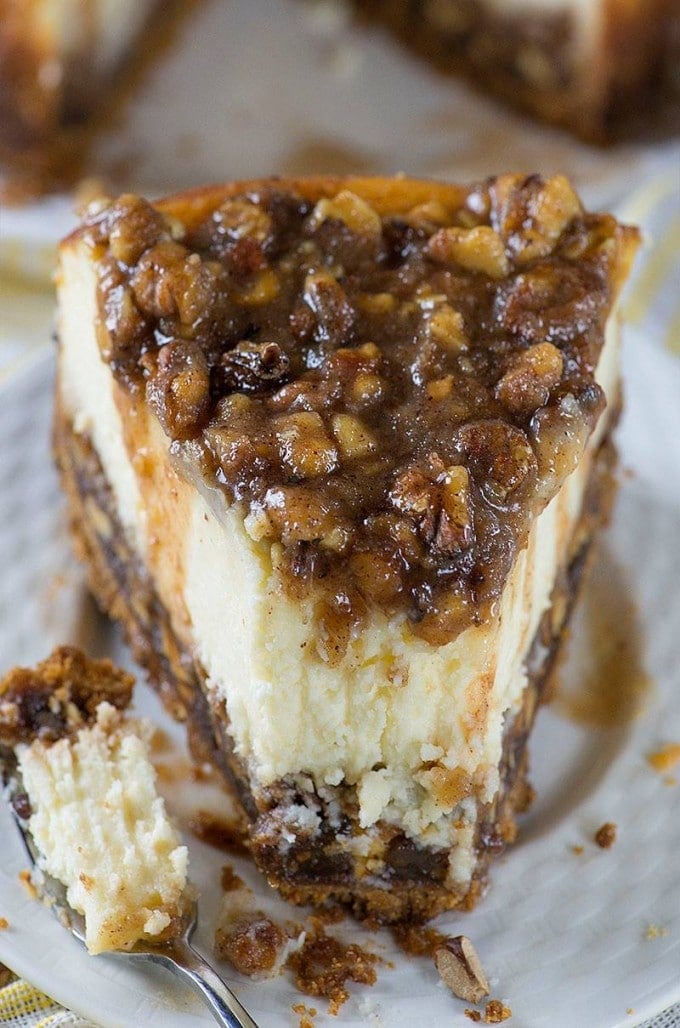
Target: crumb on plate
[605, 836]
[656, 931]
[27, 882]
[305, 1014]
[496, 1011]
[666, 758]
[229, 880]
[324, 965]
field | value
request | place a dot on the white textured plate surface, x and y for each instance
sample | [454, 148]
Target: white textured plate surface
[561, 936]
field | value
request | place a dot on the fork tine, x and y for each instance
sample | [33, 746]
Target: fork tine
[49, 888]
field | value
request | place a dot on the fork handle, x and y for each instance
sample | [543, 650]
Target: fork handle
[186, 963]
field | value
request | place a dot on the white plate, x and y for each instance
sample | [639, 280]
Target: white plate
[562, 936]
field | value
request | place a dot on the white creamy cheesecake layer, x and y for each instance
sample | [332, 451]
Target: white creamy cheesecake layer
[102, 830]
[394, 703]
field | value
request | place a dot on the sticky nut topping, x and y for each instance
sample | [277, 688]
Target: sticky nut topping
[391, 399]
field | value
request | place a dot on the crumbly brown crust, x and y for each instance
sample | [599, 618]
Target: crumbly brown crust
[59, 696]
[531, 59]
[404, 881]
[324, 965]
[392, 392]
[250, 942]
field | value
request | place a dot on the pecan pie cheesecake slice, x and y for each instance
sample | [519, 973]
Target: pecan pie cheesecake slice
[88, 796]
[601, 68]
[59, 59]
[334, 451]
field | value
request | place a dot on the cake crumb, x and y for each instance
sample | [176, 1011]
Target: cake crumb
[217, 831]
[495, 1012]
[417, 940]
[605, 836]
[332, 914]
[630, 1011]
[474, 1015]
[578, 850]
[229, 880]
[4, 924]
[252, 943]
[160, 741]
[324, 964]
[305, 1015]
[656, 931]
[25, 879]
[666, 758]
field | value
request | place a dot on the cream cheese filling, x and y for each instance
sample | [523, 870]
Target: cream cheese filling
[102, 830]
[394, 703]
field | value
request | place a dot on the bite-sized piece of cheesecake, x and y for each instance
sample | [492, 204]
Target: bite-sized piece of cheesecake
[601, 68]
[58, 60]
[335, 450]
[89, 797]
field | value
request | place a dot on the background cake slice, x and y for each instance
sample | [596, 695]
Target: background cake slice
[601, 68]
[59, 60]
[335, 450]
[90, 798]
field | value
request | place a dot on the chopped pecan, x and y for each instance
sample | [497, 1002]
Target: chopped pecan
[533, 373]
[179, 391]
[134, 226]
[300, 514]
[170, 281]
[353, 438]
[499, 456]
[328, 301]
[240, 219]
[306, 448]
[347, 207]
[532, 213]
[476, 249]
[440, 508]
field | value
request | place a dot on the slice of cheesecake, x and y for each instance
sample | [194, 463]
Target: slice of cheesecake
[89, 798]
[59, 59]
[335, 450]
[602, 68]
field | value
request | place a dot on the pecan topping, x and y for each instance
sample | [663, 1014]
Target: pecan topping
[392, 397]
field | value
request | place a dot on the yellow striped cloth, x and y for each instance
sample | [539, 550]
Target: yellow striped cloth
[24, 1006]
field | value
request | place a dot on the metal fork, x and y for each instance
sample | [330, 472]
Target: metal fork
[177, 955]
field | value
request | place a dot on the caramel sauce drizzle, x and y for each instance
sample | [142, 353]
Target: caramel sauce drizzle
[613, 686]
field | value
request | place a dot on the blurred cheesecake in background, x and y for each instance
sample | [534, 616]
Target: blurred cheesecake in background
[601, 68]
[596, 67]
[59, 59]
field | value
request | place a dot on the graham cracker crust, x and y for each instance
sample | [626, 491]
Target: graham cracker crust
[399, 881]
